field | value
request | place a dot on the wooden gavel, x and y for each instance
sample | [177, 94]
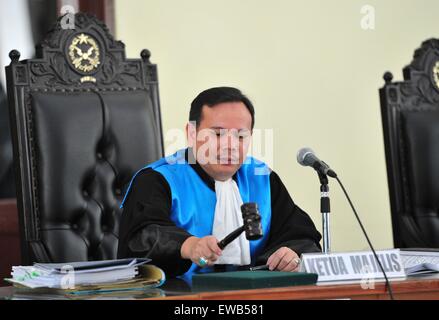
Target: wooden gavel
[252, 225]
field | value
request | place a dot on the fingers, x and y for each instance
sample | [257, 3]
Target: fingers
[208, 255]
[206, 251]
[212, 244]
[204, 262]
[274, 260]
[284, 259]
[292, 266]
[209, 248]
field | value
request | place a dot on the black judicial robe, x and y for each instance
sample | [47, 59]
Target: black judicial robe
[146, 228]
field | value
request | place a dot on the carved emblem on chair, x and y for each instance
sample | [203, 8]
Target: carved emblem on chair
[436, 74]
[84, 53]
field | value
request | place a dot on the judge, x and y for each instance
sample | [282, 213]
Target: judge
[176, 209]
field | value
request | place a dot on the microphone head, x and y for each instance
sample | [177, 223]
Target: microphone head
[252, 221]
[305, 157]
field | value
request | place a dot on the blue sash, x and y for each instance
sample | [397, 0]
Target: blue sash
[193, 202]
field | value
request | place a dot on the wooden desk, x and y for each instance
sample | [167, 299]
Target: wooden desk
[419, 288]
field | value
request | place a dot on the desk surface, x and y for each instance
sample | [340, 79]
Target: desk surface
[419, 287]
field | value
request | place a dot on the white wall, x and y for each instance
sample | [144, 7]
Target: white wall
[15, 33]
[312, 73]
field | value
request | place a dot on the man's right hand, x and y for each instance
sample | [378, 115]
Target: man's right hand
[195, 248]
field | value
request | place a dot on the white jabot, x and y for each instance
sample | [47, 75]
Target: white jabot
[228, 217]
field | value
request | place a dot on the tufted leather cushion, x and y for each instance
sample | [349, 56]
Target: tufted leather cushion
[421, 130]
[86, 147]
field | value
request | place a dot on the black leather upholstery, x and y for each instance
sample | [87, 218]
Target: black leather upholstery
[410, 114]
[77, 145]
[421, 130]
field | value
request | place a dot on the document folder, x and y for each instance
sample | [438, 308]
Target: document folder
[236, 280]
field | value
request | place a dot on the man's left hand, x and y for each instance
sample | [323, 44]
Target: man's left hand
[284, 259]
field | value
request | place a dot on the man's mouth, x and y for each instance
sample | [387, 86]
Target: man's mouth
[228, 160]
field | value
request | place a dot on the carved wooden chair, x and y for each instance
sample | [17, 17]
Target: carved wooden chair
[84, 118]
[410, 117]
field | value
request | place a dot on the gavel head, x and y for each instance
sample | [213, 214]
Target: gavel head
[252, 221]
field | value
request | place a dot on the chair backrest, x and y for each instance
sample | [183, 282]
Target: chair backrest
[84, 119]
[410, 116]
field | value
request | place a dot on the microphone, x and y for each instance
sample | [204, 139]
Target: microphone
[307, 158]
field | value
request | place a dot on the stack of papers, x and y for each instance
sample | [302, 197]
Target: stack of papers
[419, 261]
[77, 274]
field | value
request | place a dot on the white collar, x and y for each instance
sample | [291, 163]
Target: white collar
[228, 217]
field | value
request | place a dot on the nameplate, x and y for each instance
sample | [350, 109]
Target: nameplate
[353, 265]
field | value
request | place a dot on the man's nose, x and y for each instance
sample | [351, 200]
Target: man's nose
[232, 140]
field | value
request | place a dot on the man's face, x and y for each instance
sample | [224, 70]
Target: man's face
[222, 138]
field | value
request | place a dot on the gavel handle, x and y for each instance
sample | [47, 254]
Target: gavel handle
[229, 238]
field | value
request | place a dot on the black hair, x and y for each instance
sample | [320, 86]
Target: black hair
[217, 95]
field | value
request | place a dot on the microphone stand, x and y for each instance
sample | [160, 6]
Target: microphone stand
[325, 209]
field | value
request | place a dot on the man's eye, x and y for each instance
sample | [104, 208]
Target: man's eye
[223, 133]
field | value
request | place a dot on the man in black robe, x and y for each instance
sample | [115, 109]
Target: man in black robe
[147, 228]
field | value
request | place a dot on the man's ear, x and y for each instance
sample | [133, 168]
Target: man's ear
[191, 133]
